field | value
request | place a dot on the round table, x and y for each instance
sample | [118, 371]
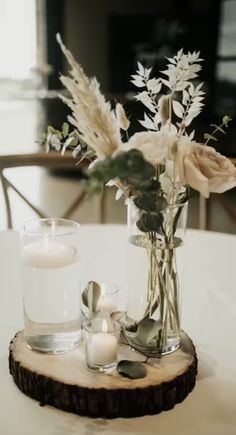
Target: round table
[209, 317]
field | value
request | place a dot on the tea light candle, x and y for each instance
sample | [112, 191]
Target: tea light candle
[102, 336]
[48, 254]
[102, 349]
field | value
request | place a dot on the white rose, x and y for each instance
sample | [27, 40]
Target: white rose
[154, 145]
[204, 169]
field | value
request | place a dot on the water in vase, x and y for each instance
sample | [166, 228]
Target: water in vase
[50, 278]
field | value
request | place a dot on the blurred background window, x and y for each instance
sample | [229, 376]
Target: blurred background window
[17, 45]
[226, 59]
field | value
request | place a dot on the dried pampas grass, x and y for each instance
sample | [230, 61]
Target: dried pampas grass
[164, 108]
[121, 117]
[91, 113]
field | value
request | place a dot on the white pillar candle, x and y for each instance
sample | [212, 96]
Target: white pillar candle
[101, 349]
[48, 254]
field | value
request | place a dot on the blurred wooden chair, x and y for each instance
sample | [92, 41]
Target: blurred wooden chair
[205, 208]
[51, 160]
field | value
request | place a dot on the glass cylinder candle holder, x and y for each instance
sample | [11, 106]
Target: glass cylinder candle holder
[108, 300]
[50, 285]
[101, 341]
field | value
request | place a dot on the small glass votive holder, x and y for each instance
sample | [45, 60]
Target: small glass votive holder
[107, 301]
[101, 342]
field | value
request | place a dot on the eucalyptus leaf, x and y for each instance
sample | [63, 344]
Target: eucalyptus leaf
[85, 296]
[209, 137]
[150, 222]
[75, 141]
[91, 295]
[144, 185]
[103, 170]
[147, 330]
[96, 293]
[131, 369]
[217, 127]
[226, 120]
[50, 129]
[150, 201]
[65, 129]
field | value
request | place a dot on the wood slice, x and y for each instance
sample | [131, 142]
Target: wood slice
[65, 382]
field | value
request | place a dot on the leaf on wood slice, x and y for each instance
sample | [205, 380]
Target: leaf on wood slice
[131, 369]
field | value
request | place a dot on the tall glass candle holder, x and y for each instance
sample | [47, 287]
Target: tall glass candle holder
[50, 285]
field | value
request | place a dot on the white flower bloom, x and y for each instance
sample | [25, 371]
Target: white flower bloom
[155, 146]
[204, 169]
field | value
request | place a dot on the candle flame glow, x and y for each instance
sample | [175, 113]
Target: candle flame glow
[104, 326]
[53, 228]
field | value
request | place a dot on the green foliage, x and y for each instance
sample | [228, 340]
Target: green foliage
[226, 119]
[147, 331]
[102, 171]
[150, 221]
[149, 184]
[129, 167]
[131, 369]
[65, 129]
[69, 140]
[138, 176]
[209, 137]
[52, 130]
[150, 201]
[216, 129]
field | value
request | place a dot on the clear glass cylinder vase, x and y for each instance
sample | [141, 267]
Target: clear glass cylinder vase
[155, 260]
[50, 285]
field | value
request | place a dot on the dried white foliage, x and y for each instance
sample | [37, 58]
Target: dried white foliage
[144, 97]
[91, 113]
[181, 98]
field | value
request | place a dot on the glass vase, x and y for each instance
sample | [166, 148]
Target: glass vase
[153, 323]
[50, 285]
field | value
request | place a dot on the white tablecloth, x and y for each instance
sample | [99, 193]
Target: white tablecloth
[209, 316]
